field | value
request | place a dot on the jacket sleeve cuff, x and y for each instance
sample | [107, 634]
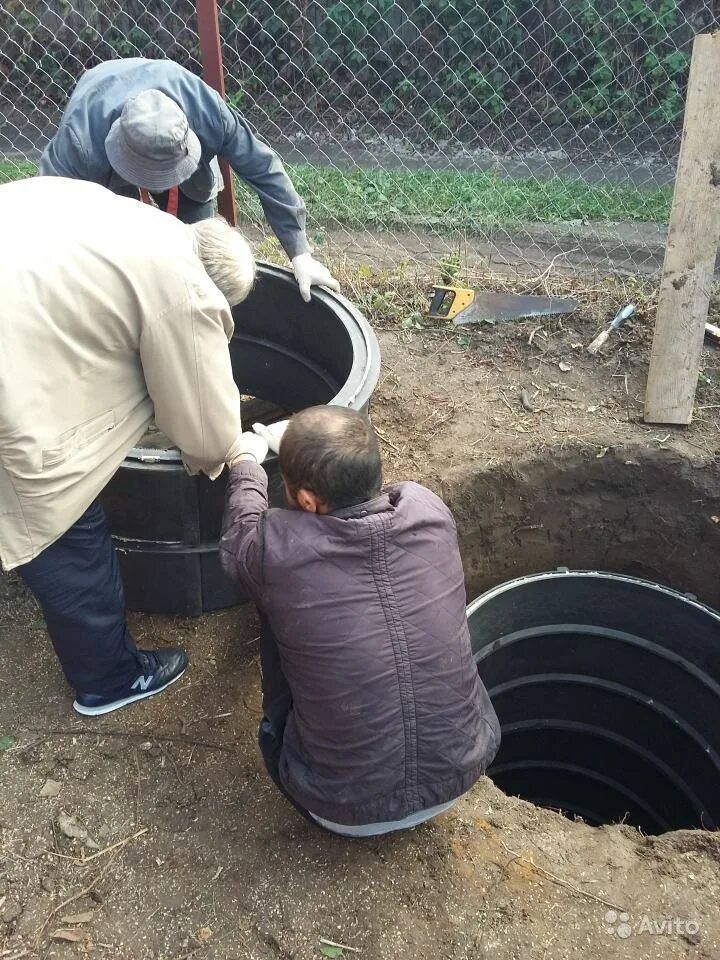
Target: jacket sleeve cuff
[194, 466]
[294, 246]
[248, 468]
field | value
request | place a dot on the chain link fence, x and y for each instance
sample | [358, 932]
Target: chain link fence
[514, 133]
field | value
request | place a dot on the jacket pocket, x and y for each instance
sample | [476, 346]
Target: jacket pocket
[76, 439]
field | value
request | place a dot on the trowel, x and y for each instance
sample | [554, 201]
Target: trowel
[465, 306]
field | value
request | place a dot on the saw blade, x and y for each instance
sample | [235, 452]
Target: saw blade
[491, 307]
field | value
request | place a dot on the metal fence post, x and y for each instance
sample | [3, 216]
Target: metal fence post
[212, 65]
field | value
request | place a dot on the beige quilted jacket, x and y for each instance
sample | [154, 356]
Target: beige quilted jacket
[107, 319]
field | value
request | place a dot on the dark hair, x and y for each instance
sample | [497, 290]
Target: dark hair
[332, 452]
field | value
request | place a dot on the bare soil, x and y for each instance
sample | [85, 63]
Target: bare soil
[197, 855]
[540, 449]
[512, 249]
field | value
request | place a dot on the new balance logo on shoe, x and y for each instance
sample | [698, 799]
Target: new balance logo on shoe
[161, 668]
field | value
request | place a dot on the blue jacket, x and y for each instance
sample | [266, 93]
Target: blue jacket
[78, 148]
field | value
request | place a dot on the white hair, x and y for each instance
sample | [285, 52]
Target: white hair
[227, 258]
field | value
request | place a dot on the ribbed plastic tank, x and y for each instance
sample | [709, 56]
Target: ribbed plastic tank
[286, 355]
[608, 693]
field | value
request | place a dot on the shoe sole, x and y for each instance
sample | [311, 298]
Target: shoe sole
[119, 704]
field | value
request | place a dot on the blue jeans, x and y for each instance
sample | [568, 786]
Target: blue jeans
[77, 582]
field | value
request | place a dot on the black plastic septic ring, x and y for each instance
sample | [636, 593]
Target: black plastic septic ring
[608, 693]
[287, 355]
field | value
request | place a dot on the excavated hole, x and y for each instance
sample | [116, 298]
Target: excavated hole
[607, 688]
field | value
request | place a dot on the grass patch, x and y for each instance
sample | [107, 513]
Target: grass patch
[456, 201]
[16, 170]
[468, 201]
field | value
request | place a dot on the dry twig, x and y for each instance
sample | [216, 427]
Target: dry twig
[76, 896]
[542, 278]
[385, 440]
[133, 734]
[100, 853]
[340, 946]
[137, 791]
[555, 879]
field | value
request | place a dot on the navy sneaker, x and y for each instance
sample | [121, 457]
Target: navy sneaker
[160, 669]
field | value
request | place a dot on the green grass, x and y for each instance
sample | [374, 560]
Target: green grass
[468, 201]
[15, 170]
[471, 202]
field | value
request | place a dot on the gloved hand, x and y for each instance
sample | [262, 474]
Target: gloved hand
[251, 446]
[310, 272]
[273, 434]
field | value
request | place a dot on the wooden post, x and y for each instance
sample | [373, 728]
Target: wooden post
[212, 64]
[693, 237]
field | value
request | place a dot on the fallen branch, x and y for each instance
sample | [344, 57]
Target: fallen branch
[559, 880]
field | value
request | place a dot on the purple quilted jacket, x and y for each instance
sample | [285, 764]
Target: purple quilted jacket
[367, 604]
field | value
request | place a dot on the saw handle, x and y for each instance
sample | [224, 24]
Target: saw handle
[440, 296]
[448, 302]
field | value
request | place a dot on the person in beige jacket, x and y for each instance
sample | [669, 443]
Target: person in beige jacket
[113, 314]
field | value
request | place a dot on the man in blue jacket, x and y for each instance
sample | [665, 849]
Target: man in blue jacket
[152, 127]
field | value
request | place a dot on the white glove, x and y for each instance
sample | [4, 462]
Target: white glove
[310, 272]
[250, 446]
[273, 434]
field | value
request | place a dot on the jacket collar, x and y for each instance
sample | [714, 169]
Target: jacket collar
[377, 505]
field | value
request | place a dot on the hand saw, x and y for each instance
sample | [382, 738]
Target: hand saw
[465, 306]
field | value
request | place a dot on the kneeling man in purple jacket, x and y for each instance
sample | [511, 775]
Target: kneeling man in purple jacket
[375, 718]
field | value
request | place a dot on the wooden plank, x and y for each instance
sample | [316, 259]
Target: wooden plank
[212, 64]
[692, 244]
